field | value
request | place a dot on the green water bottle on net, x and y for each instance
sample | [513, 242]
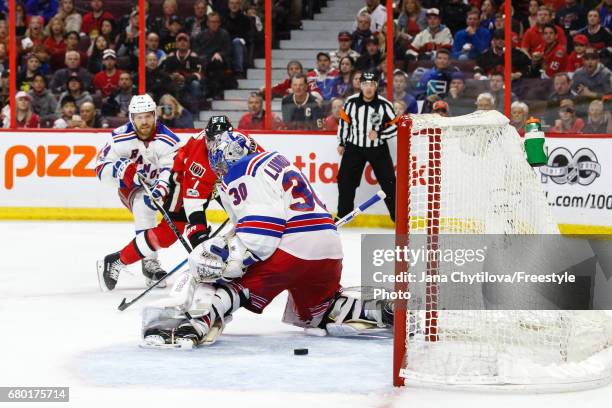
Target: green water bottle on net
[534, 143]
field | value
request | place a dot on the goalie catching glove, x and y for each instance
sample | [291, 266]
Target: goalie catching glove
[220, 258]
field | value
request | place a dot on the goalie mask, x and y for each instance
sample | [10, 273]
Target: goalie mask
[227, 150]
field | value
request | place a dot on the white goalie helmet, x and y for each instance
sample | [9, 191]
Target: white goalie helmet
[141, 104]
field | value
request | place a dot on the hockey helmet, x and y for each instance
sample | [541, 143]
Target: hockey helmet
[141, 104]
[226, 150]
[216, 126]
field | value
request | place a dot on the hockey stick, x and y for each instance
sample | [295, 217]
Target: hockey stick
[163, 212]
[124, 304]
[380, 195]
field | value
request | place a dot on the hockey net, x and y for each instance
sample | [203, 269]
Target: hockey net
[469, 175]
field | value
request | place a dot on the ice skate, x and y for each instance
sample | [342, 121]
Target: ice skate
[153, 272]
[108, 271]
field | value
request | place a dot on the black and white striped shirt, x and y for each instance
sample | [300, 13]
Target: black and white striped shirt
[358, 117]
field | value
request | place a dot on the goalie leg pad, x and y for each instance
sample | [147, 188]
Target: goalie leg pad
[351, 315]
[210, 309]
[227, 300]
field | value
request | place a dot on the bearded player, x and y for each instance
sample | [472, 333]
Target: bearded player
[146, 147]
[283, 237]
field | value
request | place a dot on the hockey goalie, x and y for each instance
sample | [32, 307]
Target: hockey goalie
[283, 238]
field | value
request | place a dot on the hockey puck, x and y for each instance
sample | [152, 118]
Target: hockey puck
[300, 352]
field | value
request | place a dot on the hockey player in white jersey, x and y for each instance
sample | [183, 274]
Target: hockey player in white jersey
[283, 239]
[143, 146]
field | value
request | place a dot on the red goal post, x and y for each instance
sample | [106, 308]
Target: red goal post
[402, 229]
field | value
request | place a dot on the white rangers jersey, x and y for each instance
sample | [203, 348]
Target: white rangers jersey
[154, 157]
[273, 206]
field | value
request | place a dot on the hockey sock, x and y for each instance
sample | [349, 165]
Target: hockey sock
[149, 241]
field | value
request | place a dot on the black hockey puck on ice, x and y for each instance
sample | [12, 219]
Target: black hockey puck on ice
[300, 352]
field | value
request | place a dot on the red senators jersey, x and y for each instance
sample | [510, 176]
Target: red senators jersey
[555, 59]
[194, 175]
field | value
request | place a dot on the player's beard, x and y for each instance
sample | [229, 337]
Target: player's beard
[144, 132]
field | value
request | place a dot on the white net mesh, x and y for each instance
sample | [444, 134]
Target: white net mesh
[469, 175]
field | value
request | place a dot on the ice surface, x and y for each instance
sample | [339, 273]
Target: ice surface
[58, 329]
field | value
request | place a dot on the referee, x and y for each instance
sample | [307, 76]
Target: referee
[367, 120]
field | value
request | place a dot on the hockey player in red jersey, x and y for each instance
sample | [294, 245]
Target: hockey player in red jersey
[189, 189]
[283, 239]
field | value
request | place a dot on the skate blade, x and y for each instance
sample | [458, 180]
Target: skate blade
[175, 346]
[358, 328]
[100, 269]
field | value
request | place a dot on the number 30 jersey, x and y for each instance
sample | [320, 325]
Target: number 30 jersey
[273, 206]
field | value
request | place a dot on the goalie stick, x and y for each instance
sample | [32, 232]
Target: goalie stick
[380, 195]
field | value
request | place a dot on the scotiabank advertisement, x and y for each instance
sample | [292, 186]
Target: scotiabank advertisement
[56, 170]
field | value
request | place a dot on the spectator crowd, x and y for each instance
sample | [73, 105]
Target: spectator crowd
[72, 55]
[78, 60]
[449, 58]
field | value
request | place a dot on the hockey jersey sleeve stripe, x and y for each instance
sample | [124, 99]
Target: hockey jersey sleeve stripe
[167, 138]
[263, 218]
[310, 216]
[310, 228]
[262, 225]
[120, 135]
[253, 161]
[259, 231]
[258, 161]
[303, 223]
[125, 139]
[100, 168]
[240, 168]
[164, 131]
[262, 161]
[170, 143]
